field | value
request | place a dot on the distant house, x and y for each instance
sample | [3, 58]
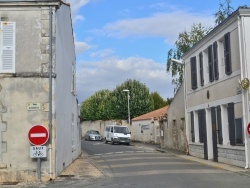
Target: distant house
[146, 128]
[37, 72]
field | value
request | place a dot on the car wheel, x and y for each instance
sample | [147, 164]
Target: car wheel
[112, 141]
[89, 138]
[105, 141]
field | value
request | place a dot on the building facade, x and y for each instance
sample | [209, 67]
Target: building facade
[37, 73]
[217, 106]
[174, 129]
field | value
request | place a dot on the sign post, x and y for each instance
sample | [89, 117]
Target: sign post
[38, 135]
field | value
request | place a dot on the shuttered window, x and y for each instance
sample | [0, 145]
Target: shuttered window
[193, 73]
[230, 114]
[220, 138]
[192, 127]
[210, 63]
[201, 69]
[227, 54]
[215, 57]
[7, 60]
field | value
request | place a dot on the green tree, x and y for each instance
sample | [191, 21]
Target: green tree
[158, 100]
[105, 104]
[94, 108]
[184, 42]
[224, 11]
[139, 98]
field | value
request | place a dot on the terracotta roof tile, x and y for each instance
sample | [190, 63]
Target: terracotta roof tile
[153, 115]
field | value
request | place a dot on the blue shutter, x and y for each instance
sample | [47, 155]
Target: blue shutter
[193, 73]
[227, 54]
[215, 55]
[192, 127]
[230, 114]
[210, 64]
[7, 64]
[201, 69]
[219, 124]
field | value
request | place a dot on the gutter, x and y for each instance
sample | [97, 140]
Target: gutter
[50, 93]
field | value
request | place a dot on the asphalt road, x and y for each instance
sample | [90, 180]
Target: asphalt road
[142, 167]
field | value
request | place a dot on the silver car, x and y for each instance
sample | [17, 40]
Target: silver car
[92, 135]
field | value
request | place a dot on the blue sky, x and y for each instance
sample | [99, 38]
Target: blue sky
[118, 40]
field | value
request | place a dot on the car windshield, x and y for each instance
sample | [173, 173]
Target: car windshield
[93, 132]
[121, 130]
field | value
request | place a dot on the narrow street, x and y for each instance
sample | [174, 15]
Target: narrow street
[142, 166]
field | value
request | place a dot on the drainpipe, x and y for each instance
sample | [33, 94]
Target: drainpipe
[50, 93]
[245, 92]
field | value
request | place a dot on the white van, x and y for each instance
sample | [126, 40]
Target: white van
[117, 134]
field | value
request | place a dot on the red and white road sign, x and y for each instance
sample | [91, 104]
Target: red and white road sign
[38, 135]
[248, 129]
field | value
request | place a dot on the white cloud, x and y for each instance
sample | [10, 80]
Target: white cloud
[102, 53]
[167, 25]
[107, 74]
[75, 6]
[81, 47]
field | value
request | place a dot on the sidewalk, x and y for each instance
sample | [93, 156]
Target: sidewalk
[182, 154]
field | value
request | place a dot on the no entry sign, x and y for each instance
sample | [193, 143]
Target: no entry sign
[38, 135]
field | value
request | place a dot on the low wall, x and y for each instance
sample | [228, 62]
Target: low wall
[99, 125]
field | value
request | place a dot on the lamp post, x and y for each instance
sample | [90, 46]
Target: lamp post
[126, 90]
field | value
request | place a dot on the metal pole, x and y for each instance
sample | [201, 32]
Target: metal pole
[50, 94]
[39, 170]
[128, 110]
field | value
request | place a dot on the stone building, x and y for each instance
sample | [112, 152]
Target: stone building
[37, 86]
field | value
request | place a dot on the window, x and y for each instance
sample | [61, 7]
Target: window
[215, 57]
[7, 47]
[201, 69]
[193, 73]
[227, 54]
[210, 63]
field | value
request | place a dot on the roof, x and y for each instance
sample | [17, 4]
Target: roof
[153, 115]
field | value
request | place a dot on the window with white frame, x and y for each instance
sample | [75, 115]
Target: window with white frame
[7, 47]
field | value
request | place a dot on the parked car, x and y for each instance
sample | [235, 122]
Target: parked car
[92, 135]
[117, 134]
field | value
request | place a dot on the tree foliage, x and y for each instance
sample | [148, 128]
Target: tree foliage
[184, 42]
[159, 102]
[105, 104]
[224, 11]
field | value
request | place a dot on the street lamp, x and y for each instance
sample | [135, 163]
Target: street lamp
[126, 90]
